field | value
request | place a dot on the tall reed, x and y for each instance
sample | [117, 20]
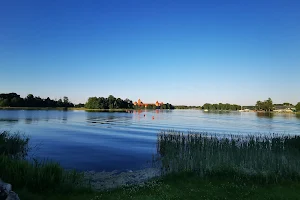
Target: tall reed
[14, 144]
[33, 175]
[267, 158]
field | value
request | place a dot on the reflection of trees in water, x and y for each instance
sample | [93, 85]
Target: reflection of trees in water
[62, 116]
[28, 120]
[264, 115]
[9, 121]
[65, 116]
[108, 118]
[298, 116]
[287, 115]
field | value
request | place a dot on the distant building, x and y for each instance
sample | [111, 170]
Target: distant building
[141, 104]
[283, 108]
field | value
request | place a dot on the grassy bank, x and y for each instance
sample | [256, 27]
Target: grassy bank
[184, 186]
[195, 166]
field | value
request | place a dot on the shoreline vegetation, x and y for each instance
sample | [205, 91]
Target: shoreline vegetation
[131, 110]
[192, 166]
[13, 101]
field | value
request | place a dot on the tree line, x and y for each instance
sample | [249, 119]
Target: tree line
[187, 107]
[266, 105]
[110, 102]
[15, 100]
[221, 106]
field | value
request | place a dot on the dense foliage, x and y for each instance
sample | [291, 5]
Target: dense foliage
[266, 105]
[187, 107]
[249, 107]
[167, 106]
[80, 105]
[298, 107]
[112, 102]
[14, 100]
[108, 103]
[221, 106]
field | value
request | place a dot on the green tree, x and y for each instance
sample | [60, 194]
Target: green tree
[92, 103]
[4, 103]
[269, 104]
[266, 105]
[66, 100]
[111, 102]
[258, 105]
[298, 107]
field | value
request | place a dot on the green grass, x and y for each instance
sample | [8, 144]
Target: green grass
[184, 186]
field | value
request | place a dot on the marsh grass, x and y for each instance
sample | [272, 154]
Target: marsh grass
[266, 159]
[14, 145]
[38, 176]
[33, 175]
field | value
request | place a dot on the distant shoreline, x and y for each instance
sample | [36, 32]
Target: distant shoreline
[122, 109]
[70, 108]
[64, 108]
[33, 108]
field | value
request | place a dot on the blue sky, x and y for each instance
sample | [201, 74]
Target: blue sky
[183, 52]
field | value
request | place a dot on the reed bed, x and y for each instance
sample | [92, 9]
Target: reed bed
[14, 144]
[33, 175]
[38, 176]
[267, 159]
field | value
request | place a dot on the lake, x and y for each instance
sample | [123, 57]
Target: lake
[126, 141]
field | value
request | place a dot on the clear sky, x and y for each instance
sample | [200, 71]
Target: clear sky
[182, 52]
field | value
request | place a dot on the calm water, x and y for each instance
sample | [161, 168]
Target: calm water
[107, 141]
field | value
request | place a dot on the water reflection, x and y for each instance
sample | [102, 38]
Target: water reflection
[28, 120]
[264, 115]
[287, 115]
[298, 116]
[64, 116]
[108, 118]
[224, 112]
[29, 117]
[9, 121]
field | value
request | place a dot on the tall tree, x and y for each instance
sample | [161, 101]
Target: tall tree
[298, 107]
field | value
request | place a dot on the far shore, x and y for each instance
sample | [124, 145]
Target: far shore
[64, 108]
[33, 108]
[124, 110]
